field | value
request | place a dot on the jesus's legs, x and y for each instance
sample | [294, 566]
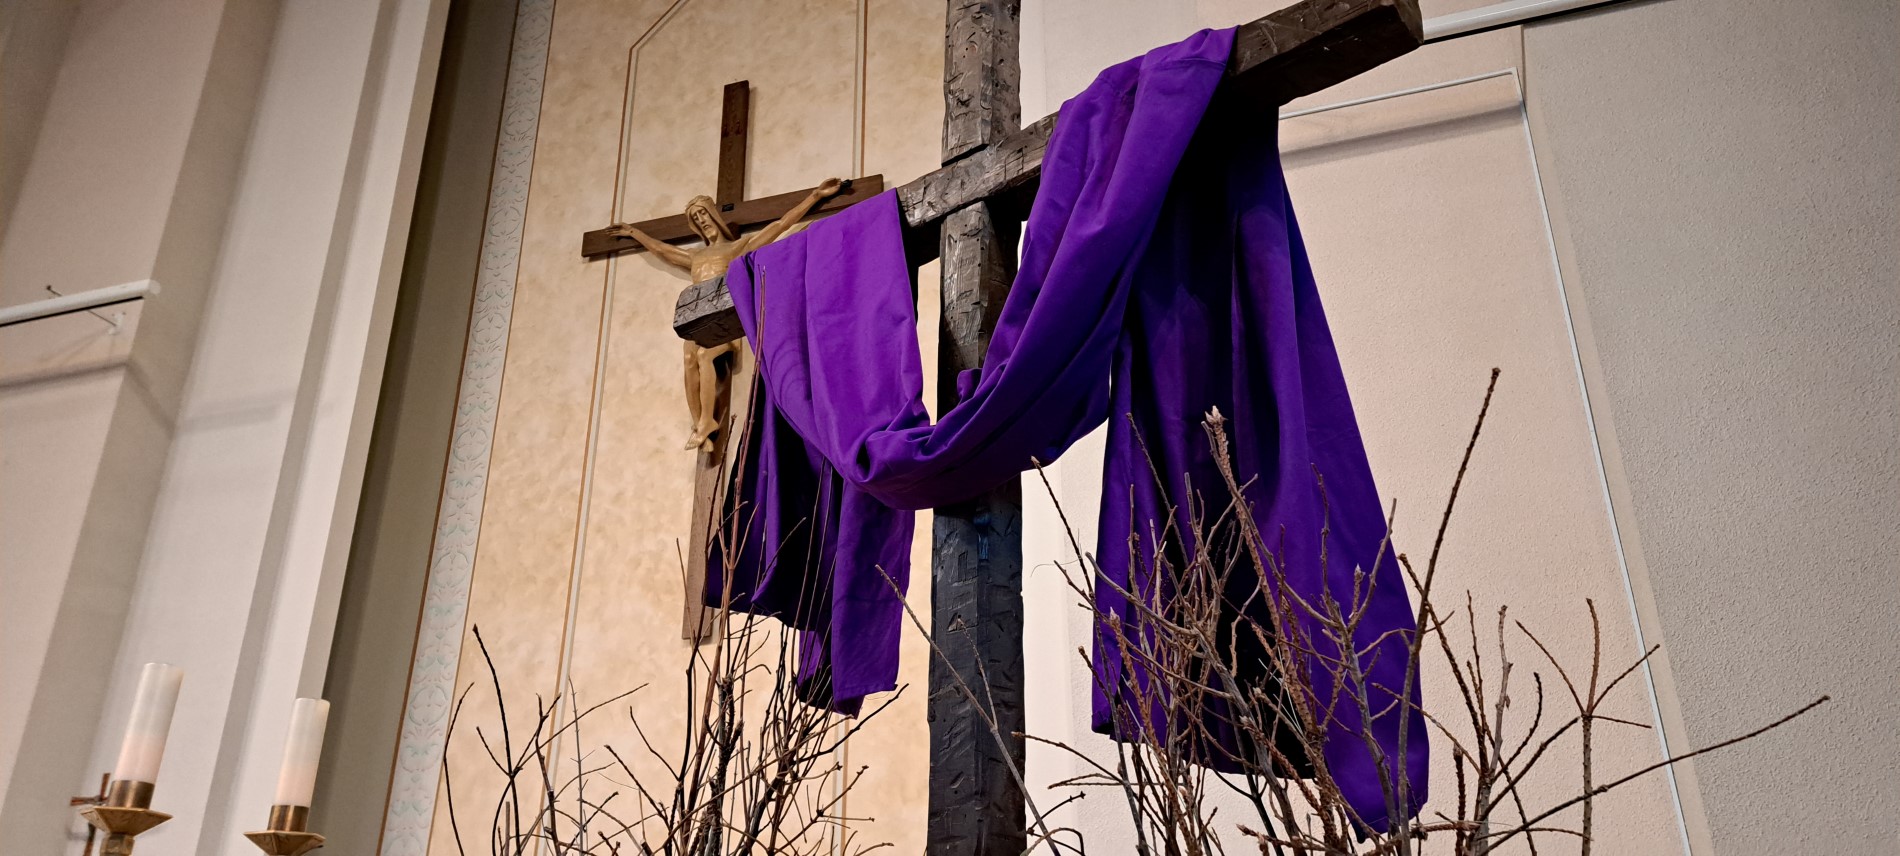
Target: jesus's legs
[703, 374]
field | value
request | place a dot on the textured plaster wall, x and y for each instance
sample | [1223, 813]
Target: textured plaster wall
[1728, 174]
[183, 492]
[579, 558]
[1424, 222]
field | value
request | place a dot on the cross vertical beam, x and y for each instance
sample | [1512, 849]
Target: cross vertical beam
[697, 621]
[735, 115]
[977, 551]
[982, 100]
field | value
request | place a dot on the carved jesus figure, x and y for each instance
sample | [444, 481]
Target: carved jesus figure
[704, 388]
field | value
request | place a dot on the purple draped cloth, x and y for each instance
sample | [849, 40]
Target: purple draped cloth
[1162, 274]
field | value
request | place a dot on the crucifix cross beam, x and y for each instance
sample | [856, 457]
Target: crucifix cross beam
[1296, 51]
[709, 472]
[739, 212]
[697, 622]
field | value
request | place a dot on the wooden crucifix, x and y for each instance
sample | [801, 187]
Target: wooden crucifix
[710, 366]
[974, 205]
[740, 213]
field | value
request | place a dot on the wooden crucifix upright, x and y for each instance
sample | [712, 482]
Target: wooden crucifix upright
[975, 204]
[740, 214]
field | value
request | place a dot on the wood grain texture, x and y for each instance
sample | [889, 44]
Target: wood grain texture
[735, 114]
[748, 214]
[982, 100]
[710, 478]
[704, 313]
[1004, 174]
[976, 612]
[697, 621]
[1296, 51]
[1310, 46]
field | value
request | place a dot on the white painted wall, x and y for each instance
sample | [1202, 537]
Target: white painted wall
[146, 105]
[1722, 176]
[59, 380]
[270, 190]
[32, 42]
[1728, 174]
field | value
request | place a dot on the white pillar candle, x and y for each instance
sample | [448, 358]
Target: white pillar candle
[151, 721]
[297, 780]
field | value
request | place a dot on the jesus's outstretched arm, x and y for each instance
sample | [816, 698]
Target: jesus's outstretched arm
[771, 232]
[667, 252]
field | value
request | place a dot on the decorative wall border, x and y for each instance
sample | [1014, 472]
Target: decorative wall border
[416, 775]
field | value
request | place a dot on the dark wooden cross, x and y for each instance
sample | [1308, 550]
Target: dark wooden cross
[970, 210]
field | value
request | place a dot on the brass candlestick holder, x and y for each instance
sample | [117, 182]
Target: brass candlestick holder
[287, 835]
[125, 814]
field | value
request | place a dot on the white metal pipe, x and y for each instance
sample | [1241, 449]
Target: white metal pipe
[1501, 15]
[78, 302]
[1429, 87]
[1494, 16]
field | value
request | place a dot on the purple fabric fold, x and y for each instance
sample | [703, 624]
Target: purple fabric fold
[1162, 275]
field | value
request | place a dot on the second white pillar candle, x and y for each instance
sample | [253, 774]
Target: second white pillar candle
[297, 780]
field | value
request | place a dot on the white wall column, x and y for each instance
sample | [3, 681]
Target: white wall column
[244, 552]
[148, 115]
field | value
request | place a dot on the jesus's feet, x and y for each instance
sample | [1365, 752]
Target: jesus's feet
[702, 438]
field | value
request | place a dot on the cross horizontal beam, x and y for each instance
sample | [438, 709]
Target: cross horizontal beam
[1296, 51]
[740, 216]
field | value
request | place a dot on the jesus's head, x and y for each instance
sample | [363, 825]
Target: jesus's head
[703, 213]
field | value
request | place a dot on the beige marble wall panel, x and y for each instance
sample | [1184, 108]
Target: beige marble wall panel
[642, 479]
[903, 88]
[799, 59]
[1428, 239]
[628, 523]
[519, 594]
[626, 632]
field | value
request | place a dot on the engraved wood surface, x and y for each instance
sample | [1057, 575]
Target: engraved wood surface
[1296, 51]
[704, 313]
[697, 622]
[674, 229]
[976, 612]
[976, 567]
[735, 115]
[1310, 46]
[982, 100]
